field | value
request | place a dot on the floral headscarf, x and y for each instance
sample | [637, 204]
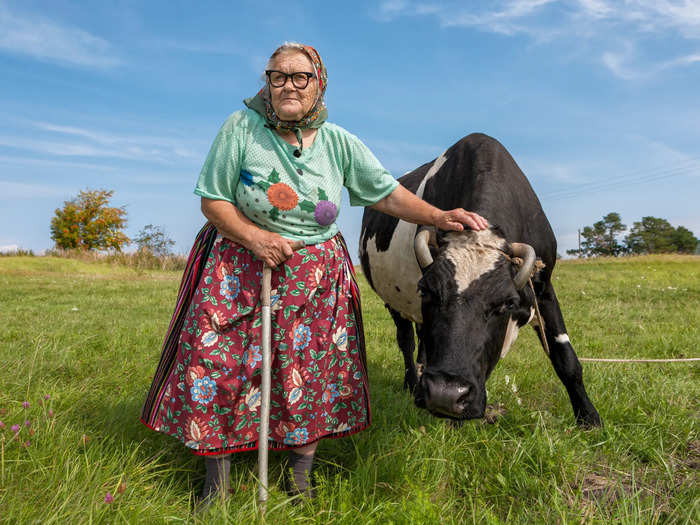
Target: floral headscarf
[316, 116]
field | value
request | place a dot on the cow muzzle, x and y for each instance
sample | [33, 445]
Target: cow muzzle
[446, 395]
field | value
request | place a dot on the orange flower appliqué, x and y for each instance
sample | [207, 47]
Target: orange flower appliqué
[282, 196]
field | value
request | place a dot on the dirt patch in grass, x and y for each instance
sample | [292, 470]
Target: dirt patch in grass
[692, 460]
[601, 489]
[494, 413]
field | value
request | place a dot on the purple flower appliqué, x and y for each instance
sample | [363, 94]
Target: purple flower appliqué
[325, 213]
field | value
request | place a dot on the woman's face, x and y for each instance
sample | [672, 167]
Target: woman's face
[288, 101]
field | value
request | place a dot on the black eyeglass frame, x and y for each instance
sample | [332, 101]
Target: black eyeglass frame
[287, 76]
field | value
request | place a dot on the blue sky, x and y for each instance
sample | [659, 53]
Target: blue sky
[598, 101]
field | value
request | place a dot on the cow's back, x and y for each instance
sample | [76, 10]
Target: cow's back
[477, 174]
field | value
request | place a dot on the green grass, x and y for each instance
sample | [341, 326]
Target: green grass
[89, 335]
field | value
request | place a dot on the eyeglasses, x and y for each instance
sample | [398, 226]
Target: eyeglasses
[279, 78]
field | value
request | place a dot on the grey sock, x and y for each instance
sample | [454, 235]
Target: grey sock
[217, 480]
[300, 477]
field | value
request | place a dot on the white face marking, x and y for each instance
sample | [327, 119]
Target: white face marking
[437, 164]
[397, 268]
[472, 254]
[511, 336]
[562, 338]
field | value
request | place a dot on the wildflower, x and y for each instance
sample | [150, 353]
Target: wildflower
[27, 423]
[15, 428]
[507, 379]
[25, 404]
[27, 443]
[74, 309]
[84, 439]
[2, 425]
[31, 432]
[514, 389]
[50, 412]
[109, 498]
[519, 401]
[47, 396]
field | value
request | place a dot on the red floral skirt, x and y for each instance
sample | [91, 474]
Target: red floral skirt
[207, 392]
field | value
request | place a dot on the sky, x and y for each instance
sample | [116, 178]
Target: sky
[598, 101]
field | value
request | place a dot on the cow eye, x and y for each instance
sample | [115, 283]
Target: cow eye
[426, 295]
[507, 306]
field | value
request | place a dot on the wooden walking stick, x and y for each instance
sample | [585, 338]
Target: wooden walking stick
[264, 387]
[265, 383]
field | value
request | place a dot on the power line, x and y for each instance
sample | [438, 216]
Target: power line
[639, 177]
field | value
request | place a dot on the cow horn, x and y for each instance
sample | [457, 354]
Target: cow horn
[527, 254]
[421, 246]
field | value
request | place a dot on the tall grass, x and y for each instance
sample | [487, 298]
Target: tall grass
[87, 334]
[139, 260]
[19, 252]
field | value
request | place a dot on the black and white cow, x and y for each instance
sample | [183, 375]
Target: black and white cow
[465, 291]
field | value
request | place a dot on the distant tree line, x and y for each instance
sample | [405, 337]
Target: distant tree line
[650, 235]
[88, 223]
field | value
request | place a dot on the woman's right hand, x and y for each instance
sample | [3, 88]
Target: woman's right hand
[272, 248]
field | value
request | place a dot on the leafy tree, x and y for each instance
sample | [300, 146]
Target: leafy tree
[683, 240]
[650, 235]
[154, 240]
[601, 238]
[88, 223]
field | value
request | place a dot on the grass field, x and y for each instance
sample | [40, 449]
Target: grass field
[88, 336]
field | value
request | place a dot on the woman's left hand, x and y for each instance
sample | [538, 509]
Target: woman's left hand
[457, 219]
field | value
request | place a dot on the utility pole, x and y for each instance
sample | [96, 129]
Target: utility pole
[579, 243]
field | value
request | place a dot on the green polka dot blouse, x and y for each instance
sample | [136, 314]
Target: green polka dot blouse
[297, 197]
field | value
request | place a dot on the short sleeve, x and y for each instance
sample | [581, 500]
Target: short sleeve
[366, 180]
[221, 171]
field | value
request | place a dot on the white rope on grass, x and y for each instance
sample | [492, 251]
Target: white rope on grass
[602, 360]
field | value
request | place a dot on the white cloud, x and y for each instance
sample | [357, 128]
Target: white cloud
[29, 161]
[626, 63]
[602, 23]
[49, 41]
[595, 8]
[10, 191]
[512, 16]
[81, 142]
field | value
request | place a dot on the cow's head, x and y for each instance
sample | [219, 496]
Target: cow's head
[472, 289]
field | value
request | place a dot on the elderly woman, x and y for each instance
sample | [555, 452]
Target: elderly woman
[273, 178]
